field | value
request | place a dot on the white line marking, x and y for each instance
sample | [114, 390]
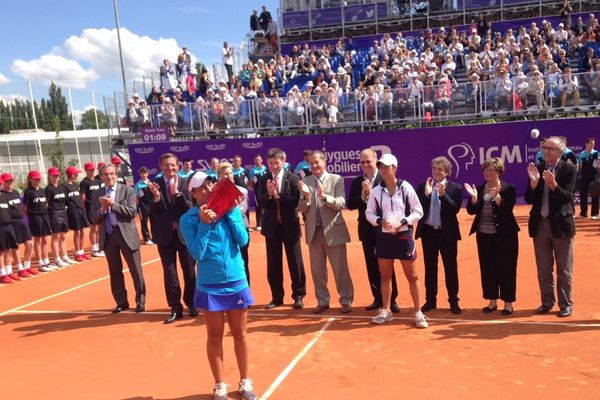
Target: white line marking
[68, 290]
[295, 361]
[89, 312]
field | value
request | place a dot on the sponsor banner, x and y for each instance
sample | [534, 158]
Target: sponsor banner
[333, 15]
[467, 147]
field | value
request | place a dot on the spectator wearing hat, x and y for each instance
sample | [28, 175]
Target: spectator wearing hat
[8, 239]
[22, 233]
[114, 210]
[144, 199]
[221, 285]
[76, 215]
[87, 187]
[394, 207]
[133, 117]
[34, 206]
[56, 197]
[117, 161]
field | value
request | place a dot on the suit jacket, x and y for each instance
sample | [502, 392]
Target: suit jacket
[165, 214]
[560, 201]
[288, 206]
[450, 206]
[125, 209]
[355, 202]
[334, 225]
[504, 219]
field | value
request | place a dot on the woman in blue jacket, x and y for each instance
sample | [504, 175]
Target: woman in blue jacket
[221, 285]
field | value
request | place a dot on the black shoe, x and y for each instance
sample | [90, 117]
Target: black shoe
[428, 306]
[140, 308]
[487, 309]
[319, 309]
[373, 306]
[565, 312]
[174, 316]
[118, 309]
[193, 312]
[543, 309]
[394, 308]
[273, 304]
[507, 311]
[298, 304]
[455, 308]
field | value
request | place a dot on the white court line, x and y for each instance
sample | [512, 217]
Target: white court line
[295, 361]
[68, 290]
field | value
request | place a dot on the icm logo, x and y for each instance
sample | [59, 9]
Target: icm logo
[179, 149]
[252, 145]
[462, 155]
[381, 149]
[152, 171]
[144, 150]
[215, 147]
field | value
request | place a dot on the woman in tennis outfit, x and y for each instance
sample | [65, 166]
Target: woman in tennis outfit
[55, 196]
[35, 206]
[221, 284]
[395, 208]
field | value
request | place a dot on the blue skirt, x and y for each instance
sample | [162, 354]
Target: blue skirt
[223, 302]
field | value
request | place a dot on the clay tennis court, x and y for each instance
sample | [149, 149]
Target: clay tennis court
[60, 341]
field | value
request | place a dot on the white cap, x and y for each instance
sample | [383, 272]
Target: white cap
[387, 160]
[198, 180]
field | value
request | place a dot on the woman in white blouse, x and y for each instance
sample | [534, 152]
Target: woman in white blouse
[395, 208]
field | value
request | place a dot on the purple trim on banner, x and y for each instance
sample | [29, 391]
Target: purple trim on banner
[467, 147]
[333, 15]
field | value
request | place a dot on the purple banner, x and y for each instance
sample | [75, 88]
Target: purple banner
[466, 147]
[333, 15]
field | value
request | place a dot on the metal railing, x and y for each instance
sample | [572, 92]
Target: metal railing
[414, 104]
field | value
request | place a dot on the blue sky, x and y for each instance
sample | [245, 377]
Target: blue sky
[73, 41]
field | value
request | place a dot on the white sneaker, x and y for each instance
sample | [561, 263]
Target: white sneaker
[382, 316]
[101, 253]
[149, 243]
[220, 391]
[69, 261]
[258, 228]
[246, 389]
[45, 268]
[61, 264]
[96, 254]
[52, 267]
[594, 217]
[421, 320]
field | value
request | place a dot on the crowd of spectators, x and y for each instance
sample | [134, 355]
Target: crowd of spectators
[525, 68]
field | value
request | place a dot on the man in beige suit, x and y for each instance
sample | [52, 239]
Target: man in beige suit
[322, 201]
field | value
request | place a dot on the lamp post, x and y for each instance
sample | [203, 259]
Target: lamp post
[120, 49]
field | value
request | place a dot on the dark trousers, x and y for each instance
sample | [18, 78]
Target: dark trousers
[293, 254]
[168, 257]
[435, 245]
[244, 251]
[583, 198]
[498, 264]
[373, 274]
[259, 213]
[114, 246]
[229, 69]
[145, 220]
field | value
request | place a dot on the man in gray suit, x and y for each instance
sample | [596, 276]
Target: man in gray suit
[326, 233]
[114, 210]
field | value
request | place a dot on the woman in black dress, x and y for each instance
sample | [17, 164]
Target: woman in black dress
[36, 209]
[76, 216]
[497, 235]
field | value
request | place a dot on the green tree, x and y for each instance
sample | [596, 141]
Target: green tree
[57, 107]
[56, 151]
[88, 120]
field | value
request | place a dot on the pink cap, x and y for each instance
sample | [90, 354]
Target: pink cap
[116, 160]
[7, 176]
[89, 166]
[53, 171]
[34, 175]
[71, 171]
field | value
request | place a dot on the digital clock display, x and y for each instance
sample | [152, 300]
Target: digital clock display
[155, 135]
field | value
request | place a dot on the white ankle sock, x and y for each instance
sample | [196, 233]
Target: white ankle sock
[8, 269]
[27, 264]
[46, 261]
[20, 267]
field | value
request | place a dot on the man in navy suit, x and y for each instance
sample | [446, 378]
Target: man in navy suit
[278, 197]
[360, 190]
[551, 224]
[439, 233]
[168, 205]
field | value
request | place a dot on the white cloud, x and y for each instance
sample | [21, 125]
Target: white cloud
[97, 49]
[141, 54]
[10, 98]
[50, 67]
[3, 79]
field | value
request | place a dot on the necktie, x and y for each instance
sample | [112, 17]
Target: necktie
[436, 207]
[318, 218]
[108, 219]
[279, 219]
[545, 211]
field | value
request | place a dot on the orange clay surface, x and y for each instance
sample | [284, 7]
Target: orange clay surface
[60, 341]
